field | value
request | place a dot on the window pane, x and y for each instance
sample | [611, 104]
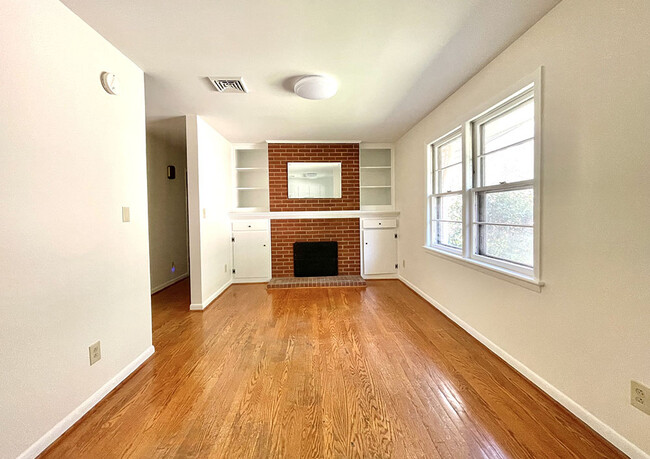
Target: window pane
[450, 153]
[449, 234]
[450, 179]
[509, 243]
[511, 127]
[450, 208]
[510, 165]
[514, 207]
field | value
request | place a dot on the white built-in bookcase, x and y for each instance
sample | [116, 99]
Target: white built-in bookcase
[251, 177]
[376, 176]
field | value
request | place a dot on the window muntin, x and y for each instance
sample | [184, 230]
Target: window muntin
[503, 195]
[504, 225]
[515, 126]
[446, 200]
[510, 244]
[506, 143]
[448, 164]
[491, 217]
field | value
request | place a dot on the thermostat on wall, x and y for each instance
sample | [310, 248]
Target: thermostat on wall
[110, 83]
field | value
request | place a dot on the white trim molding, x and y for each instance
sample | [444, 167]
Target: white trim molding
[214, 296]
[380, 276]
[490, 269]
[556, 394]
[288, 215]
[313, 141]
[170, 282]
[64, 424]
[251, 280]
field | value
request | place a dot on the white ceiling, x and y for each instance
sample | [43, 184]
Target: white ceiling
[394, 60]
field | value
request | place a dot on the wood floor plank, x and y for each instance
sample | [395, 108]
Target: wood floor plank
[322, 373]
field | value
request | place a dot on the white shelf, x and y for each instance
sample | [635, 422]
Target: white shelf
[246, 158]
[376, 196]
[251, 177]
[376, 177]
[376, 157]
[251, 209]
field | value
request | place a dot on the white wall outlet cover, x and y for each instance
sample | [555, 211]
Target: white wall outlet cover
[126, 214]
[111, 83]
[640, 396]
[95, 352]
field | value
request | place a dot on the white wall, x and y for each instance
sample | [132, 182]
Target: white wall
[167, 201]
[587, 333]
[209, 195]
[73, 273]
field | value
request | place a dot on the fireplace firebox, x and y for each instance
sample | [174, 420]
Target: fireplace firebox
[312, 259]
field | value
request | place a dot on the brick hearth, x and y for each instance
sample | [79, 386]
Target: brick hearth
[305, 282]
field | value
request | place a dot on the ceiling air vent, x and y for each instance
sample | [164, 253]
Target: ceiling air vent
[229, 84]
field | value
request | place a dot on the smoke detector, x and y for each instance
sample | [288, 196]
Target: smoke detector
[233, 84]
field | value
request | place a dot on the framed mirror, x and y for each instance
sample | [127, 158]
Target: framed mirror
[314, 180]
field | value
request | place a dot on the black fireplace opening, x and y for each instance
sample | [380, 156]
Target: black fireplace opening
[311, 259]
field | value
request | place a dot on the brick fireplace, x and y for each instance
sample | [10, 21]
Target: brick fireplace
[284, 232]
[345, 231]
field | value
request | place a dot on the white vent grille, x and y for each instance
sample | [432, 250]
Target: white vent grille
[229, 84]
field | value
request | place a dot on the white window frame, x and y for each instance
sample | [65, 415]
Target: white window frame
[432, 195]
[513, 272]
[509, 104]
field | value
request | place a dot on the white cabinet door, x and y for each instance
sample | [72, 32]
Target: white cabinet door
[251, 254]
[379, 251]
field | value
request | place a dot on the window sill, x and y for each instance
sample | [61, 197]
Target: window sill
[504, 274]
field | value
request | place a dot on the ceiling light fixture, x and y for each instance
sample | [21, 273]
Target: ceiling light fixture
[316, 87]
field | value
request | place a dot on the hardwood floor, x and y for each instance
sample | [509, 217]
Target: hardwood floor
[322, 373]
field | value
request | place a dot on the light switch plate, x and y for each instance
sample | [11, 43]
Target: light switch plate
[126, 214]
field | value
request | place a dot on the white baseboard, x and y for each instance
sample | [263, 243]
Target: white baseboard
[214, 296]
[592, 421]
[64, 424]
[380, 276]
[251, 280]
[168, 283]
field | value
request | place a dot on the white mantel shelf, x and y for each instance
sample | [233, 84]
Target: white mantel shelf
[313, 214]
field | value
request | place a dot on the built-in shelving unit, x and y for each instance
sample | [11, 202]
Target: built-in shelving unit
[376, 177]
[251, 177]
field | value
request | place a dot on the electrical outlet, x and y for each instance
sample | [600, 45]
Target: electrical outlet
[126, 214]
[225, 268]
[204, 212]
[403, 263]
[95, 352]
[640, 396]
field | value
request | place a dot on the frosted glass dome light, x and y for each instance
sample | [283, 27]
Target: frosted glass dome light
[316, 87]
